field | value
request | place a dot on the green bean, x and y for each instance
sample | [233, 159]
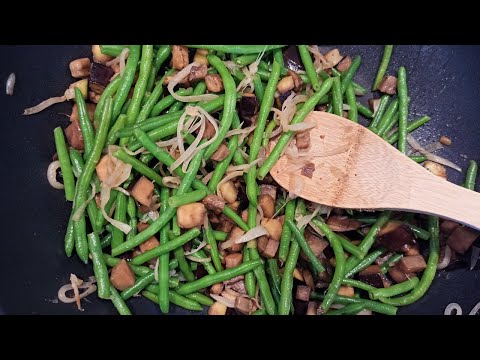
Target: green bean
[100, 220]
[207, 265]
[287, 136]
[394, 290]
[346, 244]
[245, 60]
[359, 265]
[249, 280]
[275, 278]
[84, 122]
[174, 298]
[258, 86]
[76, 159]
[221, 167]
[118, 302]
[337, 276]
[220, 276]
[412, 125]
[106, 241]
[163, 273]
[351, 309]
[188, 198]
[358, 89]
[120, 215]
[347, 75]
[162, 54]
[168, 101]
[402, 110]
[365, 111]
[375, 306]
[286, 285]
[69, 238]
[265, 292]
[268, 131]
[126, 81]
[65, 165]
[208, 235]
[316, 264]
[139, 285]
[387, 53]
[200, 88]
[228, 106]
[309, 68]
[141, 84]
[153, 99]
[259, 312]
[138, 165]
[164, 248]
[118, 125]
[238, 49]
[83, 182]
[176, 106]
[358, 284]
[337, 102]
[419, 232]
[471, 176]
[418, 158]
[428, 273]
[109, 91]
[387, 119]
[390, 261]
[286, 232]
[264, 111]
[99, 266]
[352, 103]
[220, 235]
[200, 298]
[380, 111]
[162, 125]
[112, 50]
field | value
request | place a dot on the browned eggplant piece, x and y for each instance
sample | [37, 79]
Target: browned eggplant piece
[269, 190]
[411, 264]
[388, 85]
[343, 223]
[462, 238]
[373, 275]
[239, 287]
[303, 293]
[316, 244]
[447, 227]
[281, 98]
[245, 305]
[214, 203]
[398, 275]
[345, 64]
[248, 106]
[291, 58]
[396, 236]
[100, 76]
[233, 259]
[267, 204]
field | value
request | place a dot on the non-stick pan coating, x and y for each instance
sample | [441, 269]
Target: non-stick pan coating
[444, 82]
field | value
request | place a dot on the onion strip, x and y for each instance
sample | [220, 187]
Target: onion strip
[415, 144]
[52, 175]
[179, 77]
[251, 234]
[199, 247]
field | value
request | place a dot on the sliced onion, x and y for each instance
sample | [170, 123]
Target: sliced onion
[44, 104]
[242, 132]
[317, 230]
[446, 259]
[76, 284]
[153, 215]
[300, 127]
[199, 247]
[167, 143]
[453, 306]
[207, 178]
[244, 167]
[223, 300]
[250, 72]
[10, 84]
[305, 220]
[475, 309]
[278, 130]
[432, 147]
[179, 77]
[171, 182]
[199, 260]
[135, 153]
[155, 271]
[120, 59]
[52, 175]
[415, 144]
[80, 210]
[365, 312]
[121, 189]
[251, 234]
[289, 108]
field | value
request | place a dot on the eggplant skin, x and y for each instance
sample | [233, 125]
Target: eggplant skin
[396, 236]
[100, 76]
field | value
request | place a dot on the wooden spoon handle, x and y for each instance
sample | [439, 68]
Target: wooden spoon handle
[436, 196]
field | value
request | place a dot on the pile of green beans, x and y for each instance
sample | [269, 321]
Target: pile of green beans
[138, 121]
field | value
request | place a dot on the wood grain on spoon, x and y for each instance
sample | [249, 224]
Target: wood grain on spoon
[356, 169]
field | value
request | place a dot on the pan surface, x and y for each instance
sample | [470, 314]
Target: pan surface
[444, 83]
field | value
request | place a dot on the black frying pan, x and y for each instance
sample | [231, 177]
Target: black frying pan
[444, 82]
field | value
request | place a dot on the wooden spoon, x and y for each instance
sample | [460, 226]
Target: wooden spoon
[356, 169]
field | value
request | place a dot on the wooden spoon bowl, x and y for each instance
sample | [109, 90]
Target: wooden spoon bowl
[356, 169]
